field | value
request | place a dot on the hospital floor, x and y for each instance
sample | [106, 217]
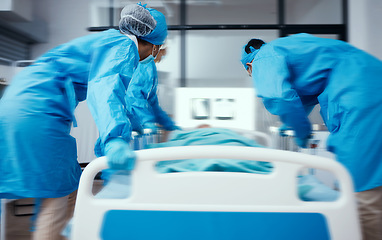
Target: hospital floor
[19, 213]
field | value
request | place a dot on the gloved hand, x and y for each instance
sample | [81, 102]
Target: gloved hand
[282, 130]
[150, 128]
[119, 154]
[302, 142]
[174, 127]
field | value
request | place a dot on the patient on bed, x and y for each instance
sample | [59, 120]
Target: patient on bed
[309, 188]
[118, 182]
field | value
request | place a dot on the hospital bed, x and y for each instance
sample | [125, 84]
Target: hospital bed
[259, 137]
[216, 205]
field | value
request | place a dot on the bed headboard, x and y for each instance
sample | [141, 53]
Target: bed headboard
[218, 199]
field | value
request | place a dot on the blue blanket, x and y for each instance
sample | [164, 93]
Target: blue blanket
[309, 187]
[210, 136]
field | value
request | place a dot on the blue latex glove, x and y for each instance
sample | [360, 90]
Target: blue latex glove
[119, 154]
[302, 142]
[174, 127]
[282, 130]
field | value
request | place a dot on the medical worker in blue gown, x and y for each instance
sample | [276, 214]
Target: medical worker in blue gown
[142, 98]
[38, 156]
[141, 95]
[293, 74]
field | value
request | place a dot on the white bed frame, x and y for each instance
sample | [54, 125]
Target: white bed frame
[213, 193]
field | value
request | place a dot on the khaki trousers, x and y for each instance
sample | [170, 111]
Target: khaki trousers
[53, 215]
[370, 212]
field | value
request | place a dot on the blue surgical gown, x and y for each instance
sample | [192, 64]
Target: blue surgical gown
[292, 74]
[37, 154]
[142, 98]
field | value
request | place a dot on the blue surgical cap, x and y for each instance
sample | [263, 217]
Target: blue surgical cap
[248, 57]
[159, 34]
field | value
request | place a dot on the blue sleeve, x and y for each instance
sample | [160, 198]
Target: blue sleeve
[273, 84]
[161, 116]
[142, 97]
[110, 72]
[138, 92]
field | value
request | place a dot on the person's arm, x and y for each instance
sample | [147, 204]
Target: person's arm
[110, 72]
[161, 116]
[273, 84]
[142, 98]
[137, 94]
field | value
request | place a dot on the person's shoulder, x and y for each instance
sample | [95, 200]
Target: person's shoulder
[292, 38]
[113, 35]
[306, 35]
[268, 50]
[112, 38]
[111, 32]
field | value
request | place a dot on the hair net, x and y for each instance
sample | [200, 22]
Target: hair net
[159, 34]
[137, 20]
[248, 57]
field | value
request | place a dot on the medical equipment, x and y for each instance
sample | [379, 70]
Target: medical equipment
[218, 107]
[140, 141]
[216, 205]
[316, 146]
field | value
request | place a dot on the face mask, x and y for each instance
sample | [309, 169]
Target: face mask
[147, 60]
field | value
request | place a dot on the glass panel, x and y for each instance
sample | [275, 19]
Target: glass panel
[213, 57]
[101, 13]
[104, 13]
[169, 66]
[330, 36]
[313, 11]
[169, 71]
[170, 8]
[198, 11]
[231, 12]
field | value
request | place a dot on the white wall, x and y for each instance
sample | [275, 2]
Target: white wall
[67, 20]
[213, 57]
[365, 30]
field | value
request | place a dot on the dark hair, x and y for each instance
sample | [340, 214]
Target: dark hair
[255, 43]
